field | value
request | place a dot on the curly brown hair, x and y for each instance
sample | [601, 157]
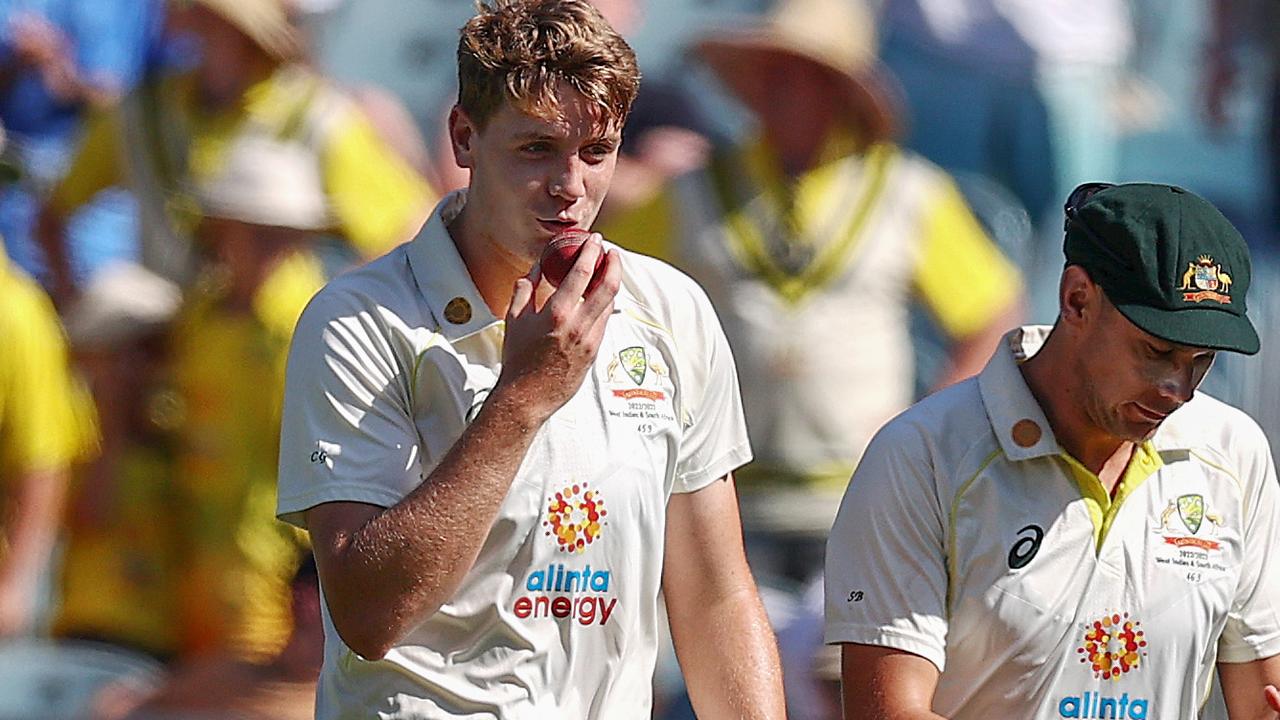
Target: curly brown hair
[520, 50]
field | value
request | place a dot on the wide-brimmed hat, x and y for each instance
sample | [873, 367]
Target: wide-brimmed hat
[263, 180]
[836, 34]
[265, 22]
[120, 302]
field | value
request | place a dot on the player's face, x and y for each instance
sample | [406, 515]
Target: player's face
[226, 55]
[1133, 380]
[792, 98]
[532, 178]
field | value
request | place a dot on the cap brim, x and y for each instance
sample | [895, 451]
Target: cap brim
[1202, 327]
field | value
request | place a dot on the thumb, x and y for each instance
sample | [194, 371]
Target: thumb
[521, 299]
[1273, 697]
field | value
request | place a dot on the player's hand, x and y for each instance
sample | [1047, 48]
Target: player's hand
[1273, 698]
[36, 40]
[548, 350]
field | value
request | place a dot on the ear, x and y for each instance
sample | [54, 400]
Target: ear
[1079, 297]
[462, 133]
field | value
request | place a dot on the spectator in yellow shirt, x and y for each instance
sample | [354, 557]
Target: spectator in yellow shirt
[45, 426]
[248, 83]
[212, 495]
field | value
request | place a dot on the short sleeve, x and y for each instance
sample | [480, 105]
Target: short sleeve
[963, 277]
[715, 432]
[886, 570]
[1252, 631]
[95, 166]
[378, 199]
[347, 431]
[45, 416]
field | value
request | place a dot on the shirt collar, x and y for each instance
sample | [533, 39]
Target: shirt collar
[1016, 418]
[442, 277]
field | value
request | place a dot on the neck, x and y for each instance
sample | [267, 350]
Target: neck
[299, 661]
[493, 269]
[1064, 407]
[798, 152]
[259, 70]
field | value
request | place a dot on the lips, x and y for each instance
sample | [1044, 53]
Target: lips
[1148, 414]
[556, 226]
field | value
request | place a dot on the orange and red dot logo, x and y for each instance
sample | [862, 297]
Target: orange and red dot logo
[1113, 645]
[575, 518]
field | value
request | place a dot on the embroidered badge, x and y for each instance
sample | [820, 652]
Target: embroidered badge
[1192, 510]
[1205, 280]
[634, 362]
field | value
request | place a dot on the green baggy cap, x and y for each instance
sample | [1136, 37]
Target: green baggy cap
[1167, 259]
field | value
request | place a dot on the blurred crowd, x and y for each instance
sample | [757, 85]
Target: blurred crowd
[870, 192]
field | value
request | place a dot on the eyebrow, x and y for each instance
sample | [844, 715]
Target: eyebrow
[613, 140]
[536, 135]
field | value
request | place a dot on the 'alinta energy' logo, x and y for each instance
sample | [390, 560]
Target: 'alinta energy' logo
[568, 591]
[575, 518]
[1113, 645]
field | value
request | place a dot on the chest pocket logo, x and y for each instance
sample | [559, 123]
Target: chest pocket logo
[1026, 548]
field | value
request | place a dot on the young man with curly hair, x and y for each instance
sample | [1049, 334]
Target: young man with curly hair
[499, 476]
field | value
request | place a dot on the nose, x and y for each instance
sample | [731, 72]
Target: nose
[1179, 384]
[569, 181]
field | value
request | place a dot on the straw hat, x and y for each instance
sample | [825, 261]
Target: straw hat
[121, 301]
[835, 34]
[267, 181]
[265, 22]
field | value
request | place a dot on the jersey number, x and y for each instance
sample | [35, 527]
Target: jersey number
[1026, 548]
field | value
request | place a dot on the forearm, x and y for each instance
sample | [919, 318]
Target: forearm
[879, 683]
[407, 560]
[49, 232]
[729, 657]
[1249, 689]
[32, 527]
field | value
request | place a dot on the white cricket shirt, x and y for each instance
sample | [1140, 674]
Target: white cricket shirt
[559, 615]
[968, 537]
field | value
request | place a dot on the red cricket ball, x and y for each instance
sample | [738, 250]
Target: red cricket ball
[560, 254]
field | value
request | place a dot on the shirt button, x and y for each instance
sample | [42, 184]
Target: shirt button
[1026, 432]
[458, 311]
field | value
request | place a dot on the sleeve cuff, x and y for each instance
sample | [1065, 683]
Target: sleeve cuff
[1246, 652]
[292, 509]
[695, 480]
[913, 643]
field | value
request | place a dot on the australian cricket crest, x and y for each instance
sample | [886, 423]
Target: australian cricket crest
[1191, 511]
[1205, 280]
[1187, 540]
[639, 386]
[635, 362]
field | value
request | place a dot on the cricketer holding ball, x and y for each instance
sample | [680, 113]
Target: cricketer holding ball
[1076, 532]
[496, 503]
